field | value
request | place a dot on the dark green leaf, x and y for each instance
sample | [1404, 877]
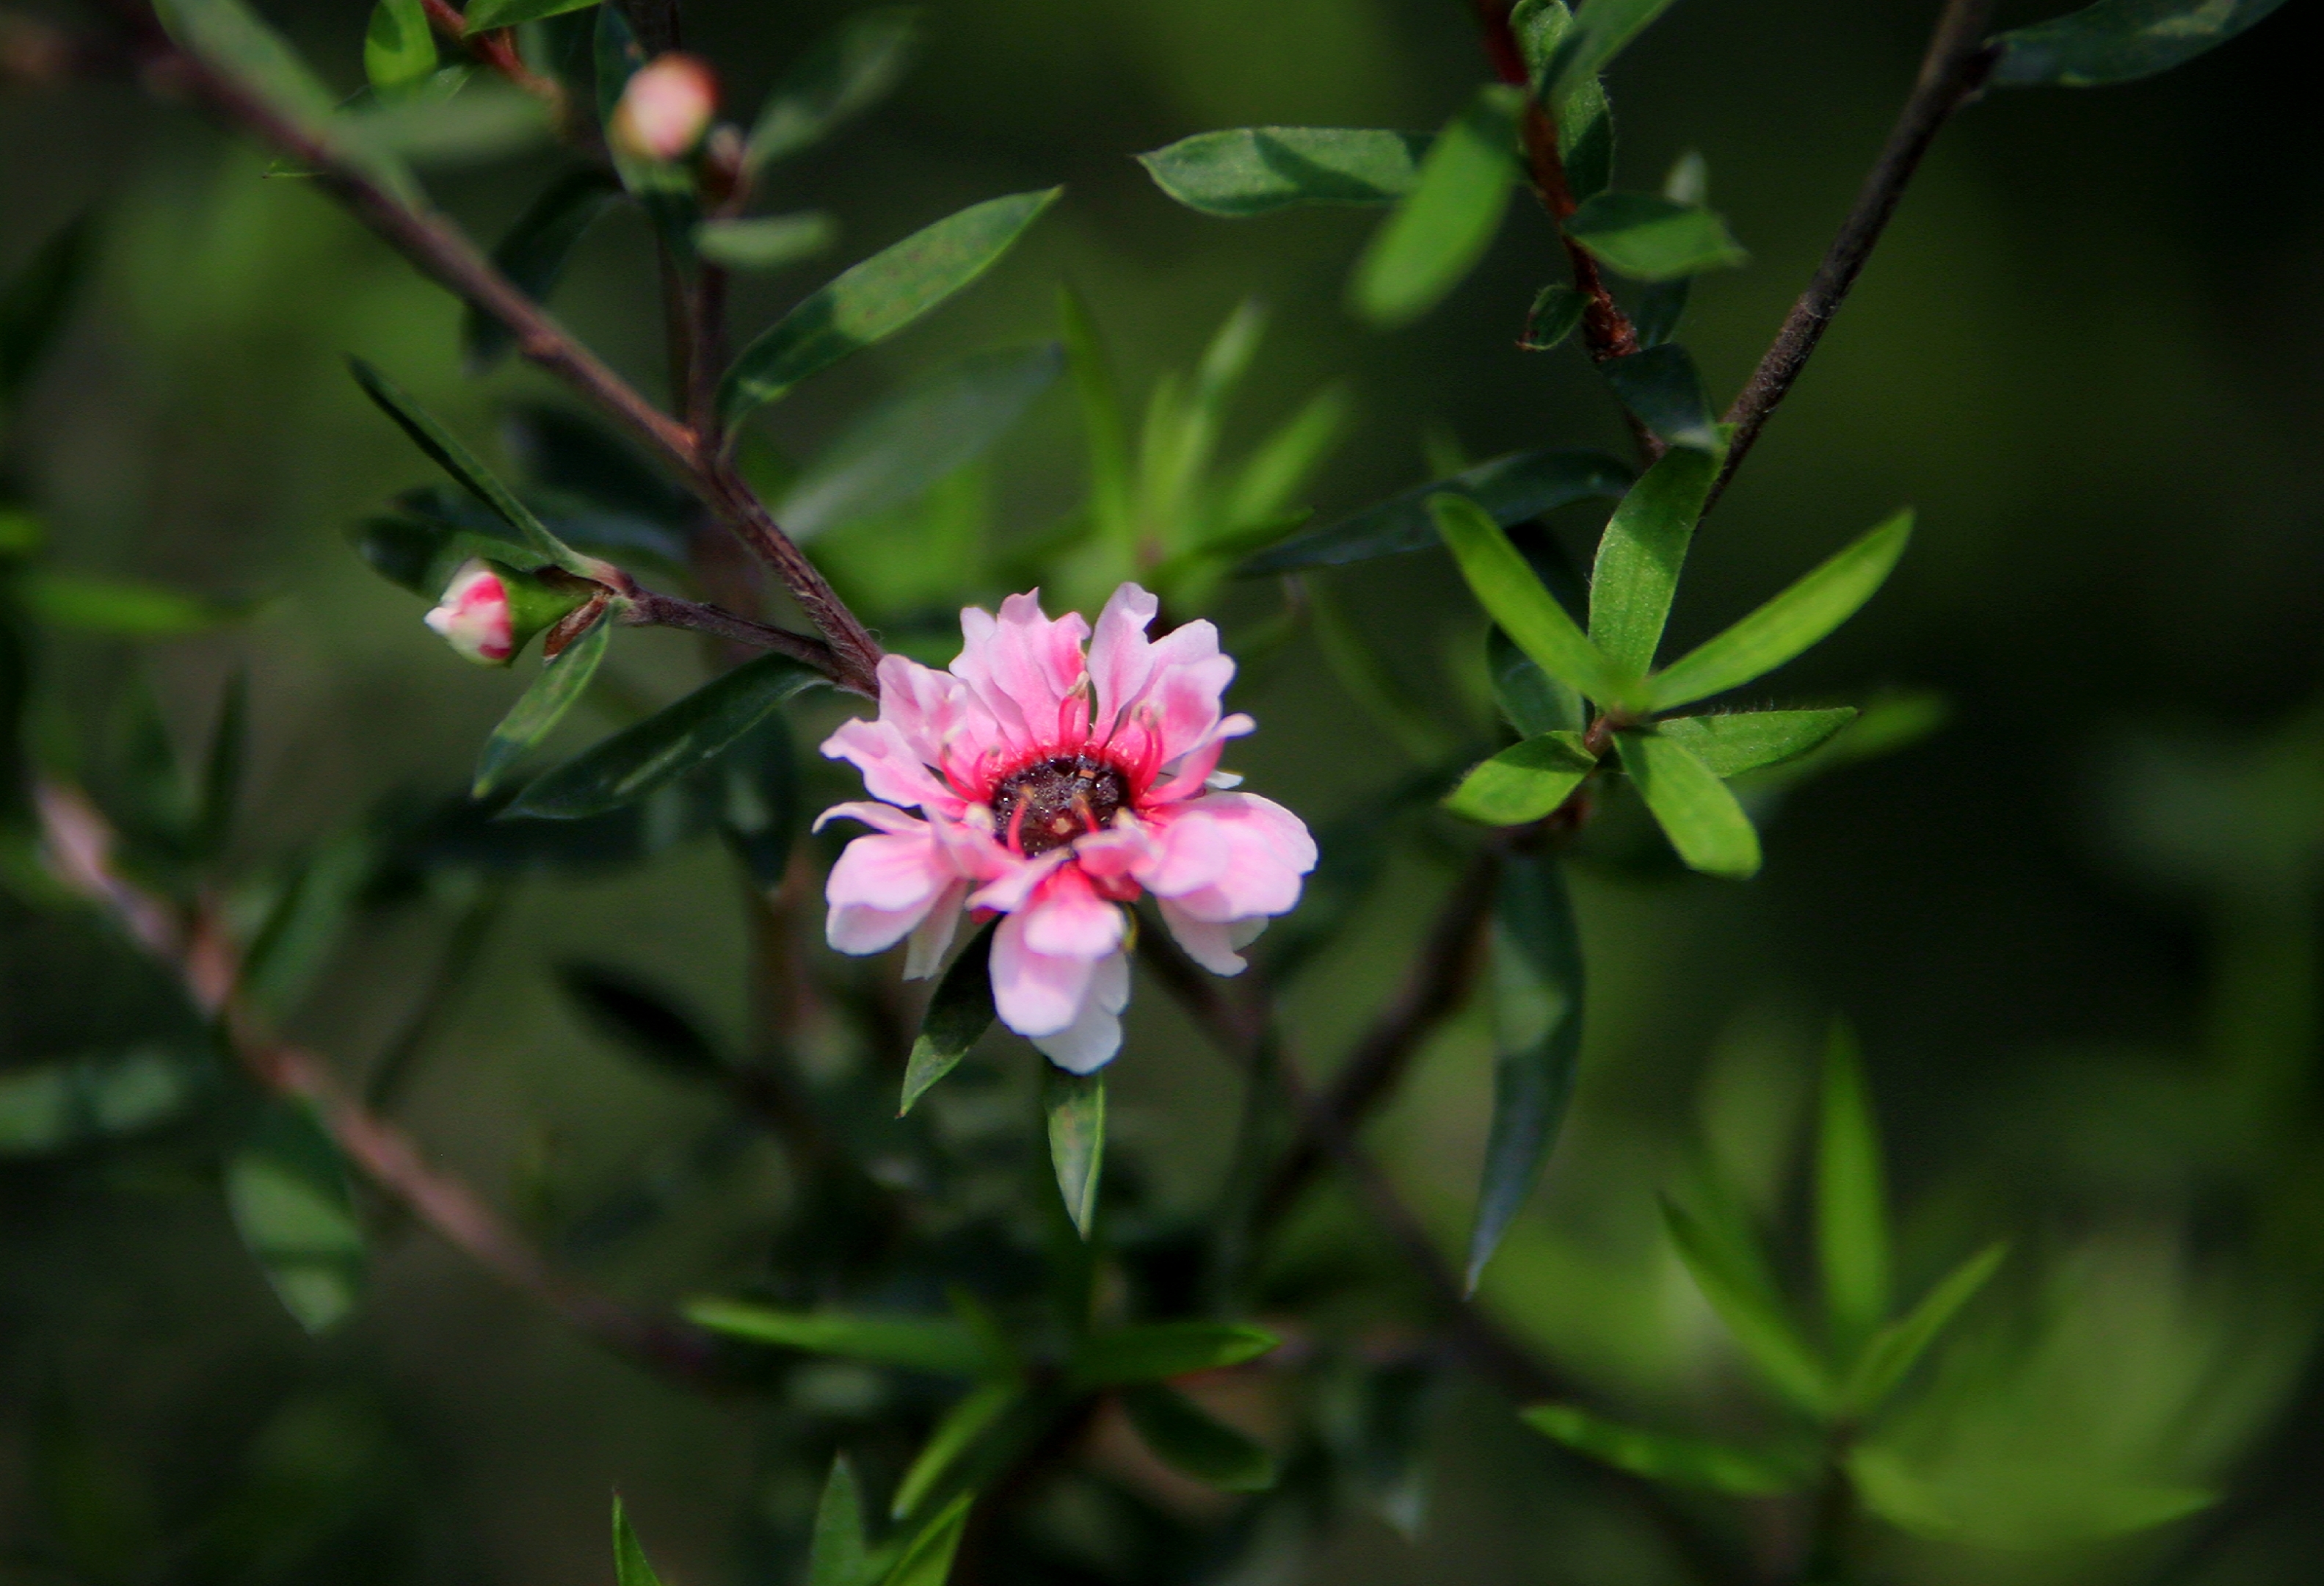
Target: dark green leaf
[1186, 1437]
[223, 766]
[534, 252]
[1556, 310]
[837, 1557]
[563, 451]
[1659, 1456]
[1515, 598]
[1702, 818]
[642, 1019]
[34, 306]
[630, 1566]
[666, 745]
[488, 119]
[959, 1428]
[1647, 236]
[1659, 308]
[615, 54]
[2121, 41]
[1077, 1108]
[125, 610]
[1379, 1426]
[938, 1345]
[1153, 1352]
[1851, 1199]
[1897, 1347]
[852, 69]
[1605, 28]
[1786, 625]
[1750, 740]
[1661, 386]
[766, 242]
[876, 299]
[940, 423]
[302, 930]
[563, 680]
[1256, 170]
[483, 15]
[1511, 489]
[51, 1107]
[1530, 700]
[1752, 1312]
[926, 1559]
[1585, 123]
[1640, 554]
[959, 1013]
[287, 1190]
[1537, 1003]
[1524, 782]
[757, 794]
[1443, 225]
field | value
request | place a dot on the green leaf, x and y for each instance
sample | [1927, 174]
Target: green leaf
[542, 705]
[1105, 431]
[1075, 1104]
[666, 745]
[755, 788]
[533, 254]
[1752, 1312]
[51, 1107]
[876, 299]
[1530, 700]
[1517, 599]
[642, 1021]
[940, 1346]
[1585, 122]
[940, 423]
[959, 1013]
[926, 1559]
[768, 242]
[1751, 740]
[287, 1188]
[1257, 170]
[1603, 29]
[398, 47]
[1556, 310]
[1511, 489]
[1524, 782]
[303, 929]
[1659, 1456]
[852, 67]
[1661, 388]
[630, 1566]
[960, 1427]
[1786, 625]
[1640, 554]
[1694, 809]
[836, 1556]
[1537, 1003]
[2016, 1505]
[1153, 1352]
[223, 766]
[1851, 1199]
[1648, 237]
[1279, 465]
[1897, 1347]
[457, 461]
[615, 56]
[489, 119]
[483, 15]
[2120, 40]
[121, 609]
[1443, 225]
[1186, 1437]
[36, 300]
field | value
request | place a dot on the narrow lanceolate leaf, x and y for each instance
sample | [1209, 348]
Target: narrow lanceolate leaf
[960, 1427]
[1524, 782]
[1530, 700]
[1537, 1000]
[1702, 818]
[36, 300]
[1154, 1351]
[483, 15]
[124, 609]
[535, 251]
[1511, 489]
[1648, 237]
[2013, 1505]
[926, 1559]
[959, 1013]
[561, 683]
[1753, 1313]
[398, 47]
[224, 766]
[852, 69]
[1786, 625]
[1585, 123]
[1658, 1456]
[1256, 169]
[1753, 740]
[1443, 225]
[1897, 1348]
[1662, 387]
[287, 1190]
[1640, 554]
[876, 299]
[458, 461]
[1184, 1436]
[1517, 599]
[666, 745]
[1851, 1199]
[837, 1555]
[1076, 1108]
[2121, 41]
[768, 242]
[938, 1345]
[630, 1566]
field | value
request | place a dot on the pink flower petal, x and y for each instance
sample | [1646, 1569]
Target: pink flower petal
[1069, 919]
[1090, 1040]
[906, 870]
[1027, 670]
[891, 769]
[924, 955]
[1213, 943]
[1016, 883]
[1228, 856]
[1120, 659]
[878, 817]
[1035, 994]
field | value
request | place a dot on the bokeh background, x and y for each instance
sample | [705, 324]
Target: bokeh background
[2074, 928]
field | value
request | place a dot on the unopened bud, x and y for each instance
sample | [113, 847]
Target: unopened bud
[489, 612]
[665, 109]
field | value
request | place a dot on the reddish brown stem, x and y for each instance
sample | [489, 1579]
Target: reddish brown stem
[496, 48]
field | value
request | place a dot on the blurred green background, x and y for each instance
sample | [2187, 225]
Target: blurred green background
[2074, 929]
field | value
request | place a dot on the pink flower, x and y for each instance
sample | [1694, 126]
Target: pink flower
[665, 108]
[1053, 790]
[473, 614]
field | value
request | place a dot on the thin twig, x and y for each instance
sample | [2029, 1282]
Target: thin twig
[1955, 68]
[652, 608]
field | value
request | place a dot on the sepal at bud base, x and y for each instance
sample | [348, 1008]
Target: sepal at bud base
[665, 109]
[489, 611]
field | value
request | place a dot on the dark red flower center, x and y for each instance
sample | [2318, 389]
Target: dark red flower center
[1050, 802]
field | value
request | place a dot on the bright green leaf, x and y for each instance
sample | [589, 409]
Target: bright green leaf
[852, 67]
[1515, 598]
[1524, 782]
[959, 1013]
[287, 1190]
[1154, 1351]
[1443, 225]
[630, 1566]
[836, 1556]
[940, 1346]
[1648, 237]
[1752, 1311]
[876, 299]
[2023, 1507]
[1851, 1199]
[1661, 386]
[1702, 818]
[766, 242]
[124, 609]
[959, 1427]
[2120, 40]
[1075, 1104]
[484, 16]
[534, 252]
[1256, 170]
[398, 47]
[1786, 625]
[1184, 1436]
[1660, 1456]
[1897, 1347]
[1639, 556]
[1751, 740]
[926, 1559]
[561, 685]
[1512, 490]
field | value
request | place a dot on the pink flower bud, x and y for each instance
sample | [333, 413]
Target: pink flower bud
[665, 109]
[473, 614]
